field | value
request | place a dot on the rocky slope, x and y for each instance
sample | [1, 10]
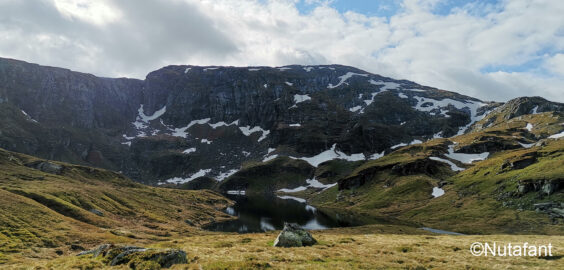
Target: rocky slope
[183, 122]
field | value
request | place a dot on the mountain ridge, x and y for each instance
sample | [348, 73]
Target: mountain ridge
[137, 126]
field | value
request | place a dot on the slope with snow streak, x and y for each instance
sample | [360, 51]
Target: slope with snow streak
[344, 78]
[181, 132]
[301, 98]
[330, 155]
[179, 180]
[557, 136]
[247, 131]
[452, 165]
[312, 183]
[429, 105]
[466, 158]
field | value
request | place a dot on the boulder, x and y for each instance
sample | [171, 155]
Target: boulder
[97, 212]
[544, 187]
[543, 206]
[557, 212]
[294, 236]
[137, 257]
[46, 166]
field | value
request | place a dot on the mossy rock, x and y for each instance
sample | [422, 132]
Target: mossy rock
[137, 257]
[294, 236]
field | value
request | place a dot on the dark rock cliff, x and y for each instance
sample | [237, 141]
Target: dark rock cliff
[158, 128]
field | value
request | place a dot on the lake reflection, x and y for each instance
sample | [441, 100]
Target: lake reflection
[266, 213]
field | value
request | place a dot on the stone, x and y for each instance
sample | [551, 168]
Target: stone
[46, 166]
[558, 212]
[543, 206]
[137, 257]
[294, 236]
[97, 212]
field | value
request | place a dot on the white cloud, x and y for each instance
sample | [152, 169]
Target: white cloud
[115, 38]
[98, 12]
[556, 64]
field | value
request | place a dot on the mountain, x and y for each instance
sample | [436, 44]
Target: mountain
[327, 133]
[395, 156]
[182, 122]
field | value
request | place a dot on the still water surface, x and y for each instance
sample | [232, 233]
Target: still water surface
[266, 213]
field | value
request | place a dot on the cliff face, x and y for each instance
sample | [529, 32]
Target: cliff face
[188, 121]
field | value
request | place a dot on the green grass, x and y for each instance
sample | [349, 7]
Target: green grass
[41, 211]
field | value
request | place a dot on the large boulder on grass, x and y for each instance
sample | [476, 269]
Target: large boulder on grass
[294, 236]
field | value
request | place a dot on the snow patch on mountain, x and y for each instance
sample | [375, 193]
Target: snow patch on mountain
[181, 132]
[301, 98]
[466, 158]
[527, 145]
[312, 183]
[247, 131]
[330, 155]
[377, 155]
[206, 141]
[402, 95]
[292, 198]
[225, 175]
[179, 180]
[292, 190]
[269, 158]
[355, 108]
[146, 118]
[223, 124]
[344, 78]
[316, 184]
[415, 142]
[386, 85]
[28, 117]
[557, 136]
[416, 90]
[295, 125]
[452, 165]
[289, 83]
[308, 69]
[189, 150]
[437, 192]
[254, 69]
[529, 127]
[428, 105]
[398, 145]
[186, 70]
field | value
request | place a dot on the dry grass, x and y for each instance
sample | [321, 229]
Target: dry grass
[342, 249]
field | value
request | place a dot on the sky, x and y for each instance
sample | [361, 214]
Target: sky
[494, 50]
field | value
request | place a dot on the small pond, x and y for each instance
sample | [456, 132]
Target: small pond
[266, 213]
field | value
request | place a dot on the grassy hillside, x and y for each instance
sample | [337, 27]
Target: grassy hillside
[358, 248]
[50, 208]
[497, 195]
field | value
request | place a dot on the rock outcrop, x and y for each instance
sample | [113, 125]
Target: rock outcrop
[137, 257]
[294, 236]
